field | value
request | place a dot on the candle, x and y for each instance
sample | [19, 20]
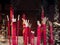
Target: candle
[32, 37]
[25, 36]
[44, 34]
[38, 33]
[44, 27]
[29, 35]
[14, 37]
[13, 26]
[24, 26]
[9, 33]
[51, 33]
[18, 28]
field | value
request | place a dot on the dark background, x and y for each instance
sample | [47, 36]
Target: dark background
[29, 6]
